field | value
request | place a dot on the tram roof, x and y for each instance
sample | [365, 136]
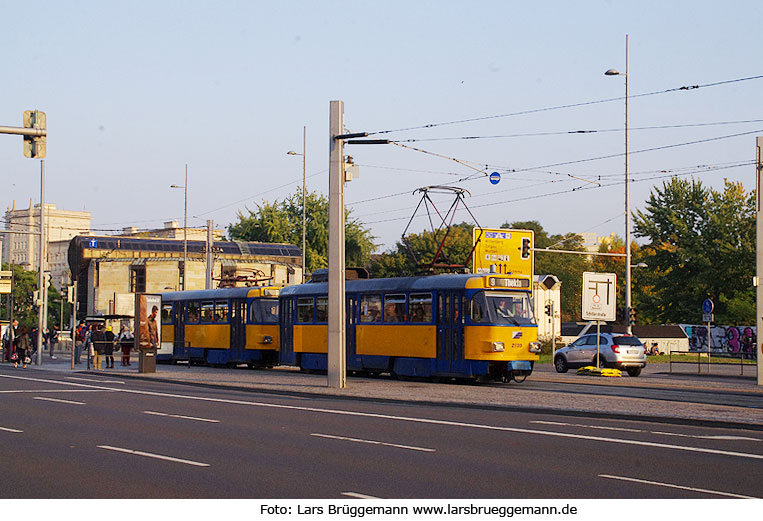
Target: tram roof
[422, 283]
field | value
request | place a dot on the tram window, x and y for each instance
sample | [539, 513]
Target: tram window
[478, 307]
[166, 313]
[305, 309]
[370, 308]
[207, 311]
[193, 312]
[221, 311]
[510, 308]
[263, 311]
[394, 307]
[322, 310]
[420, 307]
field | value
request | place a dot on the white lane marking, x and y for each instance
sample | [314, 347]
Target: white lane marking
[407, 419]
[359, 496]
[94, 380]
[670, 485]
[154, 413]
[701, 437]
[55, 391]
[602, 427]
[680, 435]
[151, 455]
[6, 429]
[371, 442]
[58, 401]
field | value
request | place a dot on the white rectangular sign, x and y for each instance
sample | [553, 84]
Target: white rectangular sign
[599, 296]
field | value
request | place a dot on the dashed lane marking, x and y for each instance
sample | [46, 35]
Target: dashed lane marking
[371, 442]
[7, 429]
[154, 413]
[95, 380]
[155, 456]
[676, 434]
[58, 401]
[359, 496]
[671, 485]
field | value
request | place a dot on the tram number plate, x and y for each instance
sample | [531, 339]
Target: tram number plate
[520, 366]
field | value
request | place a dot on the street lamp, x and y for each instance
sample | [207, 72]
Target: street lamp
[185, 227]
[304, 178]
[613, 72]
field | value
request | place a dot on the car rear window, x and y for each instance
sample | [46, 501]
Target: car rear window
[627, 341]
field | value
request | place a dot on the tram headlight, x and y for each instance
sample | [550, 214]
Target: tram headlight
[535, 347]
[267, 339]
[498, 347]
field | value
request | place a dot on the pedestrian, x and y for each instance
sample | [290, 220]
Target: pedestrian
[10, 333]
[125, 341]
[53, 344]
[80, 336]
[108, 347]
[97, 340]
[22, 348]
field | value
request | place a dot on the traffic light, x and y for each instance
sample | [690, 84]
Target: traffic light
[35, 146]
[526, 246]
[632, 317]
[548, 309]
[70, 294]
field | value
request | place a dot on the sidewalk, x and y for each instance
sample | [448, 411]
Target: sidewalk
[544, 391]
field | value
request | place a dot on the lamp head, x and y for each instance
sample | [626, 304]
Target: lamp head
[612, 72]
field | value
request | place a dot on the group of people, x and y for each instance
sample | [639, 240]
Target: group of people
[100, 341]
[19, 343]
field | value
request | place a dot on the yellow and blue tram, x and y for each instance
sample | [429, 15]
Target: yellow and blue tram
[221, 326]
[440, 326]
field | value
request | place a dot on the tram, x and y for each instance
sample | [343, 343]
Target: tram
[470, 326]
[227, 326]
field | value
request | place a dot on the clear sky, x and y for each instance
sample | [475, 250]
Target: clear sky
[134, 91]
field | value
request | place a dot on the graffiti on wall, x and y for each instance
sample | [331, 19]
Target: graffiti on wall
[729, 340]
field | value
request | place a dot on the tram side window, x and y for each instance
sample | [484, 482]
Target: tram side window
[166, 313]
[207, 311]
[420, 307]
[370, 308]
[221, 311]
[322, 310]
[394, 307]
[263, 311]
[193, 312]
[478, 307]
[305, 309]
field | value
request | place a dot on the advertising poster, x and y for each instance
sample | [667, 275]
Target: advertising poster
[149, 332]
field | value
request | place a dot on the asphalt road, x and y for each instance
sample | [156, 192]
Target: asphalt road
[93, 436]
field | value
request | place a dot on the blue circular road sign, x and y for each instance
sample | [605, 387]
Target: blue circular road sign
[495, 178]
[707, 306]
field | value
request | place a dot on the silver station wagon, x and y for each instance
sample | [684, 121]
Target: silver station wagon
[616, 350]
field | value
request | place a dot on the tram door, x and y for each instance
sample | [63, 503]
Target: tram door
[450, 331]
[286, 354]
[179, 349]
[237, 329]
[353, 360]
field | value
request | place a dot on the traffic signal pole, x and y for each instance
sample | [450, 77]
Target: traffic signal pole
[41, 276]
[758, 258]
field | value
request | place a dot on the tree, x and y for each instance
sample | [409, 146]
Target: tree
[568, 268]
[282, 222]
[702, 245]
[400, 261]
[24, 308]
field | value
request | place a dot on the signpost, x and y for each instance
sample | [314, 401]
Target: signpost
[707, 317]
[599, 300]
[509, 251]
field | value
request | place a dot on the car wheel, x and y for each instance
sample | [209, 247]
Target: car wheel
[634, 371]
[560, 364]
[602, 362]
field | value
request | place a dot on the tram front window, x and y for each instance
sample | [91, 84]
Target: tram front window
[264, 311]
[513, 309]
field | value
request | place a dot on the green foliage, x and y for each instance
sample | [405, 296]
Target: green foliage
[24, 310]
[400, 262]
[702, 245]
[281, 222]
